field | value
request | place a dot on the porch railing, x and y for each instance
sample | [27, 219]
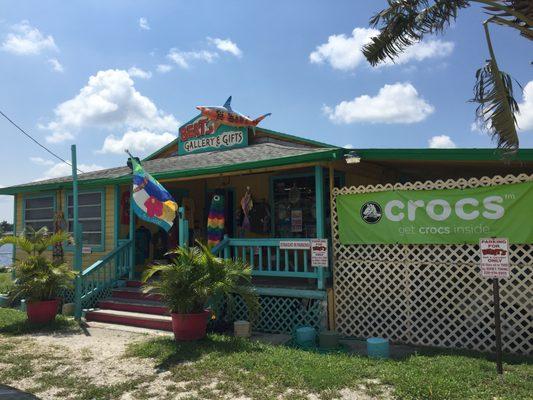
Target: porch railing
[97, 280]
[268, 260]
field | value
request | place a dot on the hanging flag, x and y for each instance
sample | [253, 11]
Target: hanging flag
[151, 201]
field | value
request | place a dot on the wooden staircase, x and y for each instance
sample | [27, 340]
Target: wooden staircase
[130, 306]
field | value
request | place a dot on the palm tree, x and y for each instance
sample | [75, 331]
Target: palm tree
[195, 275]
[38, 278]
[406, 22]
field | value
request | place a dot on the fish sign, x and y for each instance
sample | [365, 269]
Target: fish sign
[227, 116]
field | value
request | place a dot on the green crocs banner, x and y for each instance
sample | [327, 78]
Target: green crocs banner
[444, 216]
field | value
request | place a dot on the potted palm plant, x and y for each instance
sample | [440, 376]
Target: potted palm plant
[194, 276]
[39, 280]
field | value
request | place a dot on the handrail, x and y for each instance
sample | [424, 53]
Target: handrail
[106, 259]
[98, 279]
[267, 259]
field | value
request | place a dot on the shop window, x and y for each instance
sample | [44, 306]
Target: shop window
[39, 212]
[294, 205]
[89, 215]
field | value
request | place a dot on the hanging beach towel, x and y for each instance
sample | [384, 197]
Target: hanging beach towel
[215, 220]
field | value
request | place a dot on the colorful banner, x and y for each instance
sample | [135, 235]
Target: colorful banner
[437, 216]
[151, 201]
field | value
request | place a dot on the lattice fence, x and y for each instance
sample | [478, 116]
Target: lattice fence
[278, 314]
[431, 295]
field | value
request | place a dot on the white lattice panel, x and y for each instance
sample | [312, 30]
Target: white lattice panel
[431, 295]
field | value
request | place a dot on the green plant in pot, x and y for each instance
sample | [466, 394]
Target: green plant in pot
[191, 279]
[38, 280]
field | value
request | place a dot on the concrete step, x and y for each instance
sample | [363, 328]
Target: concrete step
[134, 293]
[134, 305]
[142, 320]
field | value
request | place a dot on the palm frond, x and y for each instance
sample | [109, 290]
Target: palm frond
[517, 14]
[497, 107]
[405, 22]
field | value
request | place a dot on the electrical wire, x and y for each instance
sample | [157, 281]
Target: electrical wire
[36, 142]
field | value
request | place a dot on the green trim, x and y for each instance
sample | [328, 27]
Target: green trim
[296, 138]
[288, 292]
[326, 155]
[439, 154]
[116, 220]
[320, 217]
[95, 247]
[13, 255]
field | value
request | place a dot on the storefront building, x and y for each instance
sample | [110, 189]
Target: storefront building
[275, 191]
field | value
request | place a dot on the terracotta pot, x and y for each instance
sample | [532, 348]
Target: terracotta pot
[189, 326]
[42, 312]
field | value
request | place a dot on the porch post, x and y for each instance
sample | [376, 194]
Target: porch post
[132, 236]
[320, 213]
[116, 227]
[14, 251]
[76, 229]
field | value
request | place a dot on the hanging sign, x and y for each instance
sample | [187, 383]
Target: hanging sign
[201, 134]
[294, 244]
[296, 221]
[494, 258]
[319, 253]
[86, 250]
[444, 216]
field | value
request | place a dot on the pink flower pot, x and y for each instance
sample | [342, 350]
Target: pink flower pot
[189, 326]
[42, 312]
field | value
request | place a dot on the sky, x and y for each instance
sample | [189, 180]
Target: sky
[112, 75]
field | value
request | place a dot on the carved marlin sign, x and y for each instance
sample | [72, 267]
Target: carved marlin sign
[227, 116]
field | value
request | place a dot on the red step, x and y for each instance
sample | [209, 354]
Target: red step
[142, 320]
[134, 293]
[134, 305]
[134, 283]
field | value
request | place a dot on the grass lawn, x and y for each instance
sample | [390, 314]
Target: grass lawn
[107, 364]
[260, 371]
[14, 322]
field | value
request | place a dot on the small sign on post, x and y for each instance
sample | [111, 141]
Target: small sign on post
[494, 258]
[294, 244]
[495, 264]
[86, 250]
[319, 253]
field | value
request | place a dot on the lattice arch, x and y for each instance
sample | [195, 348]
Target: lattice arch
[431, 295]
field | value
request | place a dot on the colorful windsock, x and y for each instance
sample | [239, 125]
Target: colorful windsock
[215, 220]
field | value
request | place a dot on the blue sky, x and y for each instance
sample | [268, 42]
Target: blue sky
[152, 62]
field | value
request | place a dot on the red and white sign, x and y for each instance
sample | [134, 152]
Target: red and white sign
[494, 258]
[294, 245]
[319, 253]
[86, 250]
[296, 221]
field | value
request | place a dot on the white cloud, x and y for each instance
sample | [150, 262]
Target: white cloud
[348, 146]
[143, 24]
[226, 45]
[397, 103]
[139, 73]
[60, 169]
[138, 142]
[525, 117]
[164, 68]
[441, 142]
[27, 40]
[110, 101]
[56, 65]
[476, 127]
[344, 52]
[41, 161]
[183, 58]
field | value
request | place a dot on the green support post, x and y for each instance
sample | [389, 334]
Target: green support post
[183, 228]
[116, 227]
[132, 236]
[77, 236]
[14, 255]
[320, 214]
